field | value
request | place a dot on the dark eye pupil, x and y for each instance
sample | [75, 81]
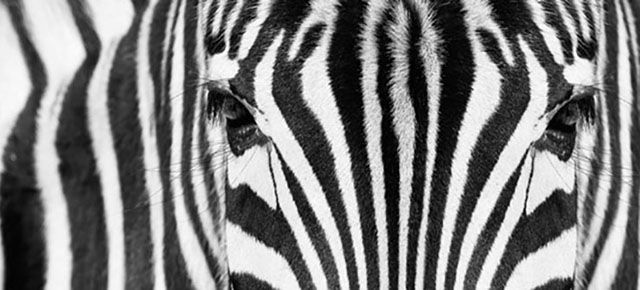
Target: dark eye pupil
[560, 136]
[242, 130]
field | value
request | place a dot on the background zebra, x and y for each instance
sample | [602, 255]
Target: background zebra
[107, 178]
[348, 144]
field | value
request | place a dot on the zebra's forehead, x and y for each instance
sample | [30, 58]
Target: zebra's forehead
[565, 30]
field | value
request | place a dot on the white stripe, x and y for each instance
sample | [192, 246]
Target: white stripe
[171, 15]
[198, 173]
[253, 28]
[111, 23]
[15, 86]
[219, 166]
[193, 255]
[479, 15]
[600, 194]
[151, 160]
[550, 174]
[633, 38]
[548, 33]
[220, 66]
[585, 28]
[217, 18]
[291, 213]
[612, 250]
[372, 121]
[321, 12]
[567, 20]
[231, 21]
[529, 128]
[276, 271]
[432, 65]
[404, 127]
[511, 217]
[484, 100]
[252, 170]
[295, 158]
[319, 98]
[554, 260]
[55, 37]
[199, 186]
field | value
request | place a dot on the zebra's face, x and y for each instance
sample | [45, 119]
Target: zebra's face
[404, 144]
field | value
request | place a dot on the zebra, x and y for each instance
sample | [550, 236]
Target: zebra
[429, 144]
[107, 165]
[318, 144]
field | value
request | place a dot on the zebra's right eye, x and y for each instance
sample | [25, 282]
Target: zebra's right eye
[560, 135]
[241, 128]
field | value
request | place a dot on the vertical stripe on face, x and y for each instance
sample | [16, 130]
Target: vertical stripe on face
[456, 79]
[147, 97]
[612, 238]
[296, 160]
[195, 257]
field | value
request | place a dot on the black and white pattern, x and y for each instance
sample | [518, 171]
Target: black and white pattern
[107, 166]
[319, 144]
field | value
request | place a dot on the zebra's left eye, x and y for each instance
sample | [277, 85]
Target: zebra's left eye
[241, 129]
[560, 135]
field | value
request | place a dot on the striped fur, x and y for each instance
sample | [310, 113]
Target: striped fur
[408, 144]
[107, 169]
[610, 184]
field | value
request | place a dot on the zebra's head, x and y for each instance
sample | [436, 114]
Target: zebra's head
[377, 143]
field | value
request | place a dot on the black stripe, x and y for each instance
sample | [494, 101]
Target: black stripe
[345, 72]
[456, 78]
[516, 21]
[284, 15]
[212, 42]
[80, 182]
[157, 39]
[593, 185]
[627, 270]
[176, 276]
[311, 224]
[491, 228]
[310, 135]
[217, 43]
[123, 115]
[20, 205]
[268, 226]
[570, 7]
[558, 284]
[532, 232]
[515, 94]
[246, 281]
[611, 97]
[588, 49]
[554, 19]
[417, 84]
[247, 14]
[214, 203]
[189, 101]
[389, 144]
